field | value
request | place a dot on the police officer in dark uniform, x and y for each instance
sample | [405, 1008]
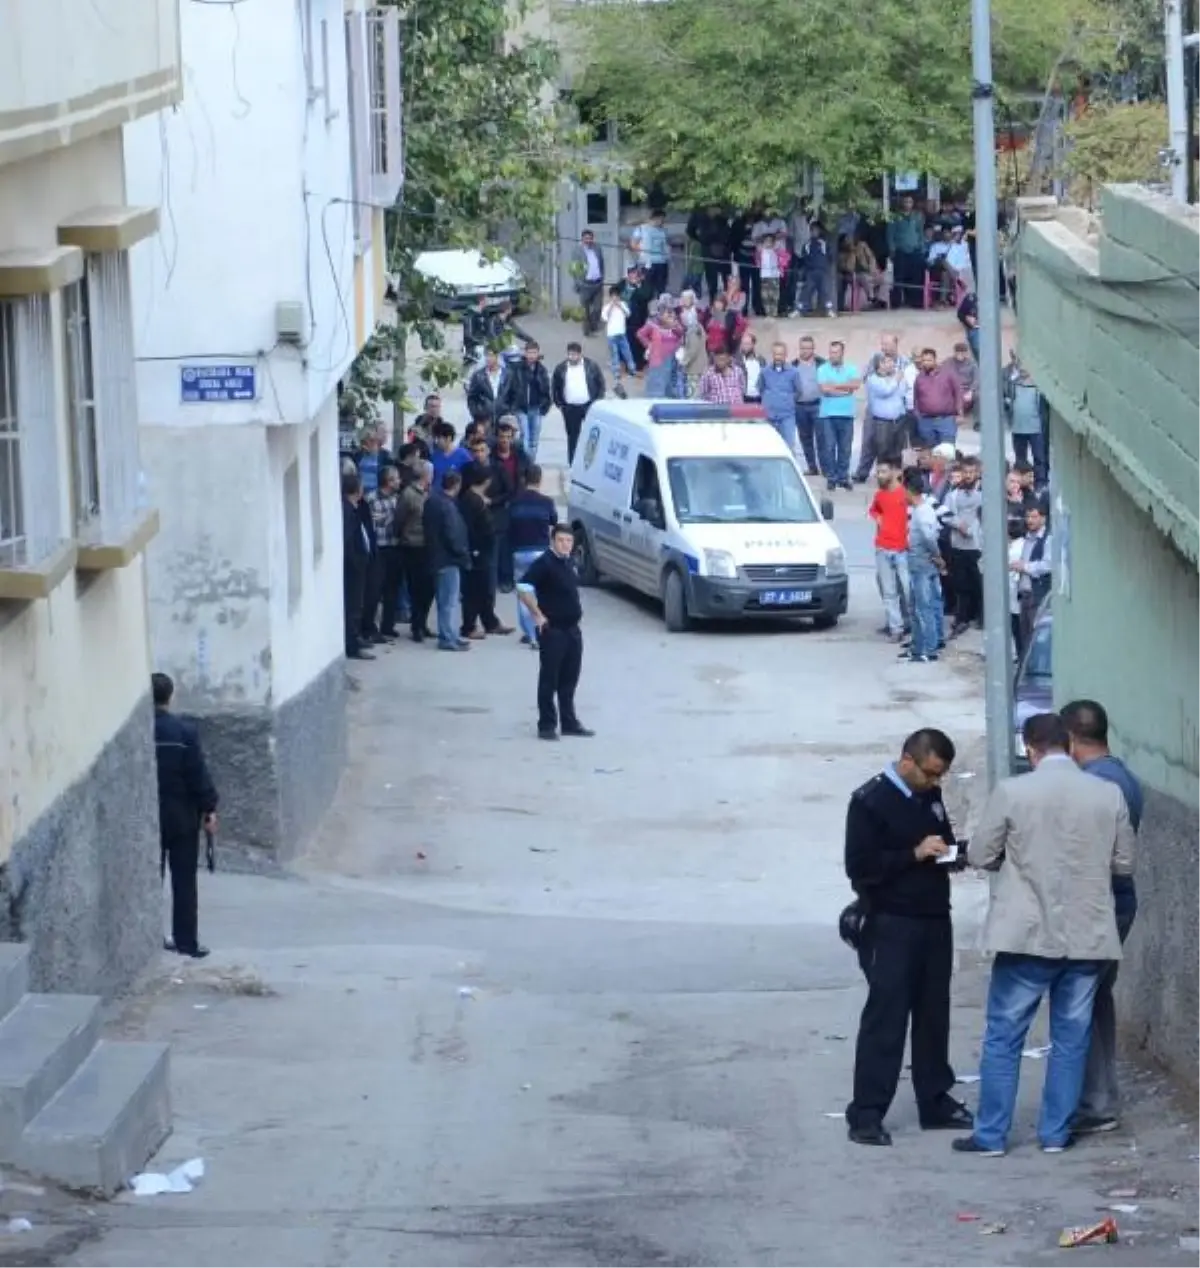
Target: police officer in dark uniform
[187, 801]
[898, 843]
[550, 590]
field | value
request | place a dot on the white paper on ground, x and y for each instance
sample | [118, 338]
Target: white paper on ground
[1036, 1054]
[183, 1179]
[967, 1078]
[19, 1224]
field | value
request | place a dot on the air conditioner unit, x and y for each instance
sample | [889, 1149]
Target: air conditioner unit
[291, 322]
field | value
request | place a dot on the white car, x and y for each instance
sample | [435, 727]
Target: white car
[704, 508]
[460, 277]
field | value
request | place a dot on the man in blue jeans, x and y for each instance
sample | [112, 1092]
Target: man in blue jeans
[925, 566]
[1055, 839]
[448, 552]
[532, 516]
[527, 395]
[838, 381]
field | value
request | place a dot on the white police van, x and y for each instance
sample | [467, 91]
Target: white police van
[703, 507]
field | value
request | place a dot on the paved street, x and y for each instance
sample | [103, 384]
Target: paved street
[584, 1003]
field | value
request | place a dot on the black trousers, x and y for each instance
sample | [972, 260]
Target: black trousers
[658, 276]
[716, 274]
[181, 852]
[573, 416]
[390, 570]
[560, 652]
[908, 279]
[750, 278]
[968, 585]
[807, 415]
[354, 585]
[907, 963]
[882, 441]
[478, 599]
[415, 565]
[372, 591]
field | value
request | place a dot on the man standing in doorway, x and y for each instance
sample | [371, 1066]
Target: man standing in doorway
[1054, 838]
[838, 382]
[906, 246]
[187, 801]
[574, 385]
[526, 394]
[898, 837]
[550, 590]
[587, 266]
[1087, 724]
[448, 553]
[808, 405]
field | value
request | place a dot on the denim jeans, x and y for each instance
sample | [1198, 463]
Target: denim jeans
[835, 435]
[926, 609]
[938, 430]
[891, 571]
[521, 561]
[1017, 986]
[786, 427]
[620, 354]
[659, 379]
[448, 582]
[807, 424]
[531, 431]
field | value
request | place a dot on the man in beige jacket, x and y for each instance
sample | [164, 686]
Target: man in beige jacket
[1054, 838]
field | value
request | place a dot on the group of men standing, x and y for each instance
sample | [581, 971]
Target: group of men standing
[1060, 841]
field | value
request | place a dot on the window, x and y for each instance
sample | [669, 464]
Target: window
[597, 209]
[373, 91]
[291, 528]
[102, 400]
[739, 491]
[29, 481]
[314, 493]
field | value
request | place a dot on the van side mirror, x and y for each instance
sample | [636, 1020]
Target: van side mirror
[827, 508]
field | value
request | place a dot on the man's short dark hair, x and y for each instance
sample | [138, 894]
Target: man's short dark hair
[389, 469]
[1023, 468]
[351, 484]
[408, 450]
[533, 474]
[1046, 732]
[476, 476]
[913, 481]
[442, 429]
[574, 347]
[1086, 720]
[533, 346]
[837, 343]
[559, 529]
[429, 400]
[929, 742]
[929, 352]
[451, 480]
[162, 688]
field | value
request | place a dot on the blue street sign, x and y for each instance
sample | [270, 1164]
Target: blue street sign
[199, 384]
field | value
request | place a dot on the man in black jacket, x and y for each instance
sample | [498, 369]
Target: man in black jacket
[486, 390]
[526, 393]
[478, 591]
[357, 554]
[448, 553]
[187, 801]
[575, 384]
[899, 844]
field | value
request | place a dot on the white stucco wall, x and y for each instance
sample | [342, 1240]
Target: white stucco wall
[72, 667]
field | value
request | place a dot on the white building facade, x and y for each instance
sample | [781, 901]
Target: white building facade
[268, 279]
[78, 801]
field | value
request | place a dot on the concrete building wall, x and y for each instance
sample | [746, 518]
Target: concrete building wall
[1109, 326]
[270, 204]
[78, 802]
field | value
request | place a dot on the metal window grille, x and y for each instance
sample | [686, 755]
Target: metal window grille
[29, 477]
[385, 69]
[359, 97]
[81, 407]
[377, 92]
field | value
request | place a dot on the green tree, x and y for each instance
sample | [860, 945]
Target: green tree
[1115, 144]
[726, 104]
[486, 146]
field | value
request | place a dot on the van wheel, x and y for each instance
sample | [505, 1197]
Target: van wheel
[585, 561]
[675, 613]
[826, 621]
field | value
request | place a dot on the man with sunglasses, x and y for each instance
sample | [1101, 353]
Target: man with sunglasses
[899, 850]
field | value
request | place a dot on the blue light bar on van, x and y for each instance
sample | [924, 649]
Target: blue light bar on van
[703, 412]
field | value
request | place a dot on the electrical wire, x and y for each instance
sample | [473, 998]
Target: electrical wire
[164, 189]
[243, 105]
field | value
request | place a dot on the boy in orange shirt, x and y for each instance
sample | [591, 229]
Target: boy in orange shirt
[889, 510]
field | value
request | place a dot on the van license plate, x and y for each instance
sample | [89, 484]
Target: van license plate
[784, 598]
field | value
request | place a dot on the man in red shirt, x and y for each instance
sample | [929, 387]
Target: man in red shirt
[889, 510]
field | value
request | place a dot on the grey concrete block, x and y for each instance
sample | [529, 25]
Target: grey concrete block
[107, 1120]
[42, 1043]
[14, 975]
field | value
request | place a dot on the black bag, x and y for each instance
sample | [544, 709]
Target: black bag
[852, 924]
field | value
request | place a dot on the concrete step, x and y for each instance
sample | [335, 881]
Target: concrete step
[109, 1118]
[14, 975]
[43, 1041]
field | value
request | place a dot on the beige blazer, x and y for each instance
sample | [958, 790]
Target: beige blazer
[1054, 838]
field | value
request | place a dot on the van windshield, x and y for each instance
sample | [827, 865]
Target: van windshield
[739, 491]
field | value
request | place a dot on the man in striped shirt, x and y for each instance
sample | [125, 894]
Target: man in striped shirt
[723, 383]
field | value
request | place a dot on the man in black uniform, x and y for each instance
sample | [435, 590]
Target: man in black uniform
[550, 590]
[187, 801]
[898, 841]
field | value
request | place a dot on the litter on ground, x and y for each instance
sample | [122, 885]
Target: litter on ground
[1036, 1054]
[1125, 1208]
[1105, 1232]
[991, 1230]
[19, 1224]
[183, 1179]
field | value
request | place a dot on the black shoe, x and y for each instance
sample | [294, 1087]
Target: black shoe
[969, 1145]
[1090, 1124]
[426, 632]
[417, 636]
[948, 1115]
[360, 655]
[453, 647]
[196, 953]
[579, 730]
[870, 1134]
[547, 734]
[848, 486]
[390, 634]
[812, 471]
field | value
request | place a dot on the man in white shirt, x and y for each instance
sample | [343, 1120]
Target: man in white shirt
[958, 260]
[574, 385]
[615, 315]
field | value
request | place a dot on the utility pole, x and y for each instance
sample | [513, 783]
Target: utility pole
[996, 643]
[1177, 100]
